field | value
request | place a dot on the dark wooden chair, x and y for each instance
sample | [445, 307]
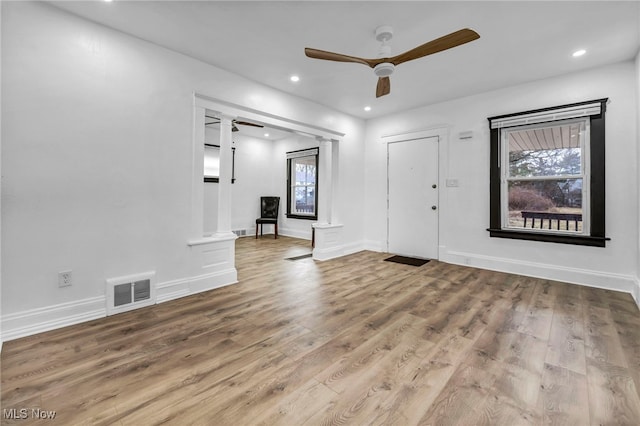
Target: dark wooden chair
[268, 213]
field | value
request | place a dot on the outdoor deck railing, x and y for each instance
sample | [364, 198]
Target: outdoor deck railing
[550, 217]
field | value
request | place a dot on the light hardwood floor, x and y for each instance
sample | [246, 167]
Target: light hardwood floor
[348, 342]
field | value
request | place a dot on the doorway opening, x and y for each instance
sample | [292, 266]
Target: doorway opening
[259, 169]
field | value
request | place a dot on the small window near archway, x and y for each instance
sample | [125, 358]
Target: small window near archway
[302, 184]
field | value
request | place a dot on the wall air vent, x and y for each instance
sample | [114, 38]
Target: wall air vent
[130, 292]
[240, 232]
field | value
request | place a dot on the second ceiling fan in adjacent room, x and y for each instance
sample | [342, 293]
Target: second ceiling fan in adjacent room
[234, 128]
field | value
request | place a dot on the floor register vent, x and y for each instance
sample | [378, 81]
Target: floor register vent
[130, 292]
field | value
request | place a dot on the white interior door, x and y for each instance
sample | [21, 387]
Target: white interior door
[413, 197]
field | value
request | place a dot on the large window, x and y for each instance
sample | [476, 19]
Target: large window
[302, 184]
[547, 174]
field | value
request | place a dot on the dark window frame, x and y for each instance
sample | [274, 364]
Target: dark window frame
[299, 216]
[597, 236]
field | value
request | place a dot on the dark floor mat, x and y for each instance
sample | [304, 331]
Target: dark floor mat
[413, 261]
[304, 256]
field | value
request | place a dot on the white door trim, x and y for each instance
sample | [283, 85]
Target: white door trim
[442, 133]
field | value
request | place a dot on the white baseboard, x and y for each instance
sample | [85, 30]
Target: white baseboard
[377, 246]
[636, 291]
[294, 233]
[590, 278]
[353, 248]
[33, 321]
[171, 290]
[328, 253]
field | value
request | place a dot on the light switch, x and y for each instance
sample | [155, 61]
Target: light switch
[452, 183]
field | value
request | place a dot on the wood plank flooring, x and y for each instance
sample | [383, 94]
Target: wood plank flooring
[350, 341]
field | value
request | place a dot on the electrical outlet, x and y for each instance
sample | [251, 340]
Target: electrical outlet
[65, 279]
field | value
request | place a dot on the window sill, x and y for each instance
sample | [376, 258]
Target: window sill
[580, 240]
[296, 216]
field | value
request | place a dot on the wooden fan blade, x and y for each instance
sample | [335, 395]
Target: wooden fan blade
[338, 57]
[384, 86]
[246, 123]
[438, 45]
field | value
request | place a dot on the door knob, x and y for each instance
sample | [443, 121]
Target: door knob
[433, 207]
[434, 186]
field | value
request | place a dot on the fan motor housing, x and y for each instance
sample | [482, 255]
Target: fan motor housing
[384, 69]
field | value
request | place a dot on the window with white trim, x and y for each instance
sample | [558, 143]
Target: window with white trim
[302, 184]
[547, 174]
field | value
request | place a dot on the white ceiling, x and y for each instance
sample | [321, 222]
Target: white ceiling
[265, 40]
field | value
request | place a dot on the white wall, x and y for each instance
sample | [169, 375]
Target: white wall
[636, 294]
[464, 211]
[1, 183]
[97, 156]
[256, 171]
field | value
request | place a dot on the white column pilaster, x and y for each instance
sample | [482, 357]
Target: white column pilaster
[224, 184]
[335, 183]
[197, 192]
[324, 182]
[328, 232]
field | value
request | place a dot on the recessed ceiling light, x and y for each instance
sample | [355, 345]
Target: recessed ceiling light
[367, 108]
[579, 53]
[266, 135]
[295, 78]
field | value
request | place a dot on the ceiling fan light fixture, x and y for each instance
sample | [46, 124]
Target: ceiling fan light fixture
[384, 69]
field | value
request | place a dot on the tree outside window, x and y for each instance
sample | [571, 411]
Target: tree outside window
[545, 174]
